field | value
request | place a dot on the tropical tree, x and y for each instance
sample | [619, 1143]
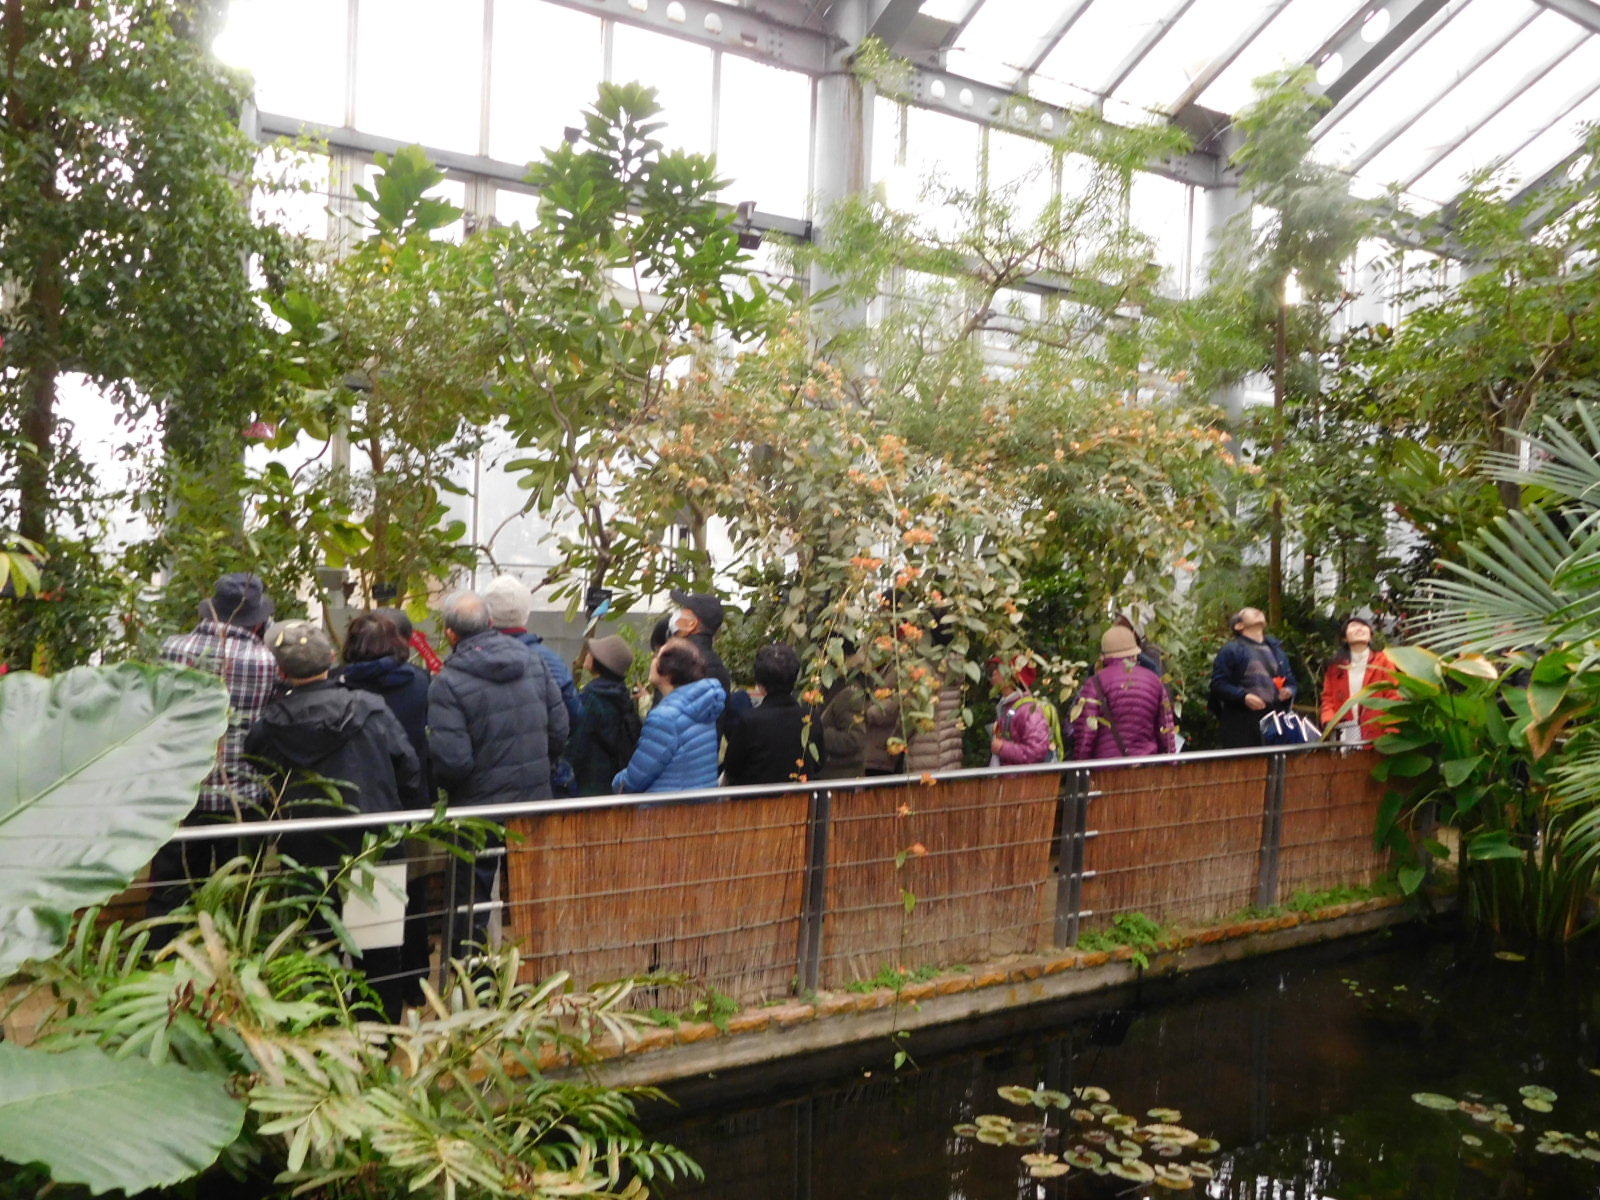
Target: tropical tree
[125, 248]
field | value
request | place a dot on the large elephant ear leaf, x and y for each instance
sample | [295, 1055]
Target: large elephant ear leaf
[97, 768]
[112, 1124]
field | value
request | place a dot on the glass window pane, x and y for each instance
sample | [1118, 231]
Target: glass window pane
[1159, 208]
[1550, 147]
[419, 71]
[1482, 92]
[764, 136]
[1421, 78]
[297, 52]
[1096, 45]
[681, 74]
[1004, 35]
[1521, 118]
[516, 208]
[941, 157]
[546, 69]
[1289, 40]
[1187, 48]
[1020, 170]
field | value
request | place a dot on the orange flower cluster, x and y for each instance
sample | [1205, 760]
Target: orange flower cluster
[864, 562]
[918, 537]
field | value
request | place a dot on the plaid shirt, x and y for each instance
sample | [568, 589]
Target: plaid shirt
[237, 657]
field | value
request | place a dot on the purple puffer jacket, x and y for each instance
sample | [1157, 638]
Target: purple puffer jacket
[1024, 731]
[1138, 705]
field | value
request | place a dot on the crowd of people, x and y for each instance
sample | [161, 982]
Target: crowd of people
[319, 730]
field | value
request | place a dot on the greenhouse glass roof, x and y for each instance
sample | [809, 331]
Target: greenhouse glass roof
[1423, 92]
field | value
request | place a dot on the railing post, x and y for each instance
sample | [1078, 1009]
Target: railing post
[1272, 832]
[814, 905]
[452, 866]
[1070, 853]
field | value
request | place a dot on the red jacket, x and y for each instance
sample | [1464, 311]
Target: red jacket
[1379, 682]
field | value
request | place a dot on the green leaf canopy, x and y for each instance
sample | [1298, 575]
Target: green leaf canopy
[97, 767]
[105, 1123]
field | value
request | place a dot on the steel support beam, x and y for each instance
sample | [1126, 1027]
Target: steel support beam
[750, 32]
[1147, 43]
[1362, 59]
[1584, 12]
[1226, 59]
[1063, 26]
[891, 19]
[509, 175]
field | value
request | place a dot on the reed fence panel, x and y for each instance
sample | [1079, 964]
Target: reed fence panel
[1330, 809]
[712, 890]
[982, 887]
[1178, 842]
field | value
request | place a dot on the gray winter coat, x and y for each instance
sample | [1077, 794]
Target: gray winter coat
[495, 721]
[940, 748]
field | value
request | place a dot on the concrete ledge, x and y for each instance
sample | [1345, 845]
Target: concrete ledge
[765, 1034]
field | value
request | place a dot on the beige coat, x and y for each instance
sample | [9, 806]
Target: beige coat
[940, 748]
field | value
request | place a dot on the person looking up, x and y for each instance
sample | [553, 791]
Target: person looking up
[608, 731]
[678, 744]
[496, 723]
[1126, 711]
[1357, 667]
[697, 620]
[320, 740]
[1250, 676]
[226, 643]
[778, 739]
[509, 602]
[377, 659]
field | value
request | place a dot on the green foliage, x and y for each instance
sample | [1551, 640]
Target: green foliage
[125, 253]
[893, 978]
[87, 1117]
[452, 1103]
[717, 1007]
[102, 764]
[1133, 929]
[587, 361]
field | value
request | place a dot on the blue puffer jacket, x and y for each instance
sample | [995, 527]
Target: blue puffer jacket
[678, 745]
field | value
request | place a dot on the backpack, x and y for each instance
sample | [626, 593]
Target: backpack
[1052, 718]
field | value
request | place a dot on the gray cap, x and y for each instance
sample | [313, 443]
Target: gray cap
[612, 653]
[302, 648]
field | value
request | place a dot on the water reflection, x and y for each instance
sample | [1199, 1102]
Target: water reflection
[1302, 1066]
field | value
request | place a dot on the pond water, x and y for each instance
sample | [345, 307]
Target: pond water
[1301, 1065]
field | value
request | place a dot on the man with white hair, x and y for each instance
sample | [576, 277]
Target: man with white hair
[496, 723]
[1250, 677]
[510, 601]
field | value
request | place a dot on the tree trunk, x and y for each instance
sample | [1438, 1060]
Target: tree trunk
[1280, 365]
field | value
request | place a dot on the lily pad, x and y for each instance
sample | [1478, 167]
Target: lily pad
[1082, 1114]
[1433, 1100]
[966, 1129]
[1507, 1125]
[994, 1137]
[1137, 1172]
[1016, 1095]
[1534, 1092]
[1206, 1146]
[1049, 1170]
[1175, 1134]
[1124, 1148]
[1471, 1139]
[1177, 1185]
[1022, 1137]
[1510, 956]
[1173, 1171]
[1121, 1121]
[1103, 1109]
[1045, 1098]
[1534, 1104]
[993, 1121]
[1167, 1116]
[1085, 1159]
[1200, 1170]
[1091, 1094]
[1098, 1137]
[1590, 1153]
[1039, 1160]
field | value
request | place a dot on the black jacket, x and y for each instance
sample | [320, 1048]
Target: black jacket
[403, 686]
[715, 668]
[771, 743]
[605, 737]
[495, 722]
[321, 735]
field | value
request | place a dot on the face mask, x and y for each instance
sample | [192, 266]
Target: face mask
[677, 628]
